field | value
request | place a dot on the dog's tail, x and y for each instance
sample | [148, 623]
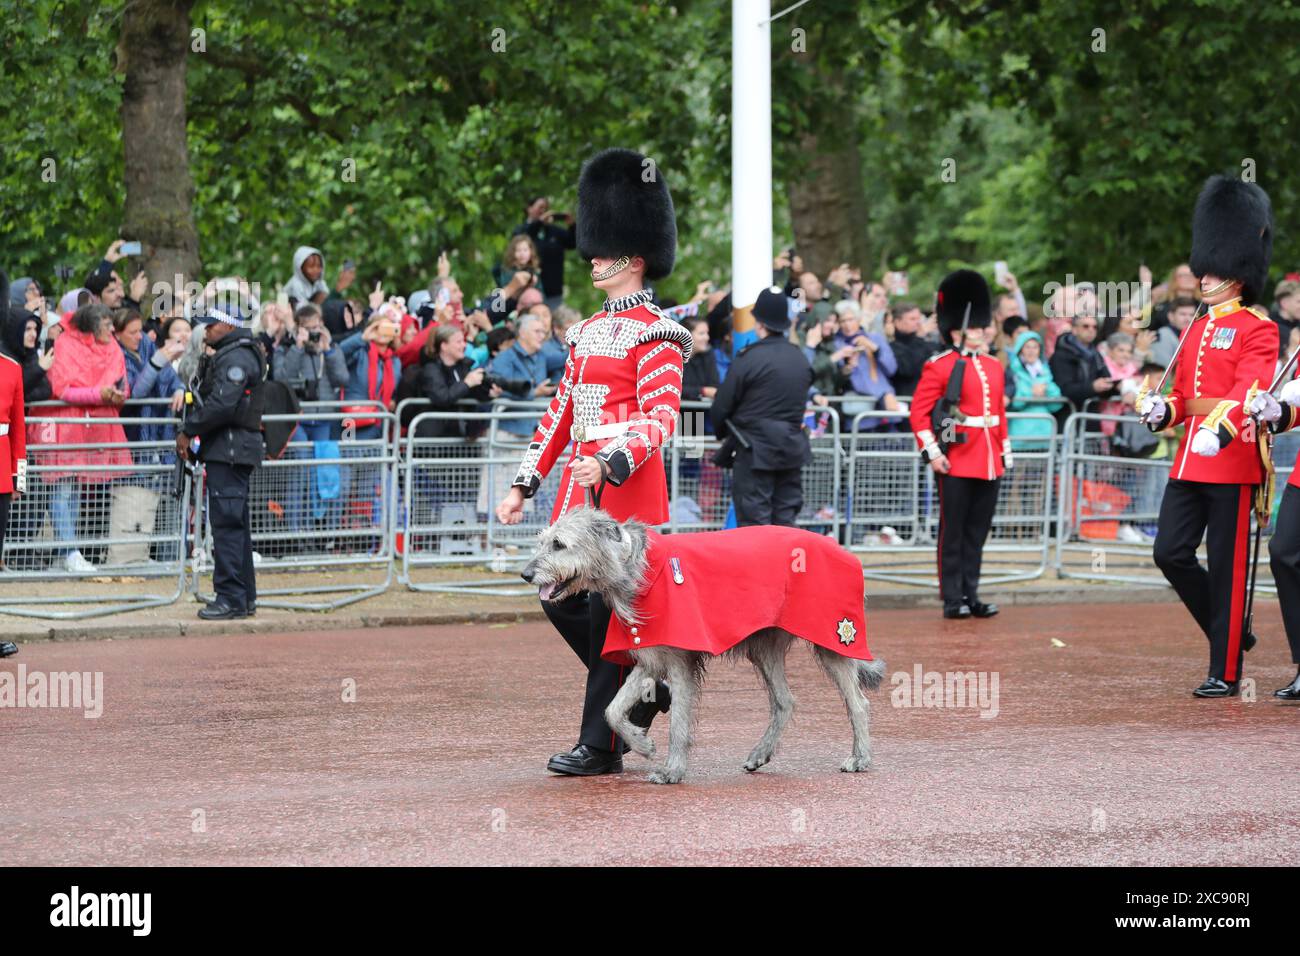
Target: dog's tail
[870, 674]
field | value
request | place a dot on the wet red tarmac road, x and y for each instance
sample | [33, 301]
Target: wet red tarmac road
[242, 750]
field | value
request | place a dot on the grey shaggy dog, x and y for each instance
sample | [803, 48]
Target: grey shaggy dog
[587, 550]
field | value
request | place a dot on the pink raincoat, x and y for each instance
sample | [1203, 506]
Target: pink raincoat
[82, 367]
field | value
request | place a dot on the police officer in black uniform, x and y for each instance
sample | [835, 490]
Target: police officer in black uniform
[224, 411]
[760, 407]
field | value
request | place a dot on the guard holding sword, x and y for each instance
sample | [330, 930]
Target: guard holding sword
[1283, 414]
[1222, 358]
[616, 406]
[959, 419]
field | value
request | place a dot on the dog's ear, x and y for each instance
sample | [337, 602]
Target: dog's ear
[614, 531]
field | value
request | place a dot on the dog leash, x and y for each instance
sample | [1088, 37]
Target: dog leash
[593, 494]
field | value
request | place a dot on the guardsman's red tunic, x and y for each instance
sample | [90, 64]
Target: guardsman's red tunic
[618, 400]
[1228, 351]
[13, 440]
[983, 405]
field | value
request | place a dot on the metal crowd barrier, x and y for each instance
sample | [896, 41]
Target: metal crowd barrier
[325, 503]
[356, 491]
[120, 516]
[893, 504]
[1109, 506]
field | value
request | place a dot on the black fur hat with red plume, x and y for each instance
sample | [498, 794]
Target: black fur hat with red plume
[956, 291]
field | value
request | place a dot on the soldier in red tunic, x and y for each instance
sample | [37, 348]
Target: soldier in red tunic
[1225, 358]
[13, 441]
[615, 408]
[1284, 546]
[960, 423]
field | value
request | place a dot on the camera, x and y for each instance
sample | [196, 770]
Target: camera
[307, 390]
[313, 337]
[512, 385]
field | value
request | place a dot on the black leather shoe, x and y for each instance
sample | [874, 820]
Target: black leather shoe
[959, 613]
[8, 648]
[252, 608]
[1249, 641]
[979, 609]
[643, 711]
[219, 610]
[584, 761]
[1291, 691]
[1213, 687]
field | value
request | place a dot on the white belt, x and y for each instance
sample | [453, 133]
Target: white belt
[980, 421]
[593, 432]
[4, 429]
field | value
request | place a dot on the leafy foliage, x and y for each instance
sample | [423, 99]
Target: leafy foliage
[1071, 155]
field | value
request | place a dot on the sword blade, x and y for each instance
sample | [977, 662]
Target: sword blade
[1281, 376]
[1181, 342]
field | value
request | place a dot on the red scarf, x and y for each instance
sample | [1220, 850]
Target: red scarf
[386, 389]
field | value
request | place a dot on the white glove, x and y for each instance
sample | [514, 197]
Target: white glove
[1291, 392]
[1007, 460]
[20, 477]
[1265, 407]
[1205, 442]
[1151, 410]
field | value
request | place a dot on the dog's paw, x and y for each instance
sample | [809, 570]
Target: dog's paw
[856, 764]
[754, 762]
[665, 775]
[641, 744]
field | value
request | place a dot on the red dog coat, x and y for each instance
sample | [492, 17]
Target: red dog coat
[710, 591]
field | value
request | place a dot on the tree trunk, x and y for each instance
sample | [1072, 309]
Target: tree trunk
[827, 208]
[152, 52]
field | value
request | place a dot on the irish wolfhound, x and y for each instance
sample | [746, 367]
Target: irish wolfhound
[587, 550]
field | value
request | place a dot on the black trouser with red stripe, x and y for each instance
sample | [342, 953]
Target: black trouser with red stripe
[966, 507]
[1216, 599]
[1284, 558]
[582, 621]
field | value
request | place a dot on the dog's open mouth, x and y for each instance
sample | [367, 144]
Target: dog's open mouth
[552, 590]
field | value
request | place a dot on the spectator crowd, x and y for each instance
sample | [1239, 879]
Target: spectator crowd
[104, 345]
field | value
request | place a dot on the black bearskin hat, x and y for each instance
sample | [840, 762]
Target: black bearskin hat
[621, 214]
[1232, 234]
[958, 289]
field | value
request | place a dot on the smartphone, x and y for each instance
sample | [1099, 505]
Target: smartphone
[130, 249]
[901, 284]
[349, 265]
[1000, 273]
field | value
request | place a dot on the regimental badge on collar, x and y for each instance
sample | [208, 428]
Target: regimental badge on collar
[1222, 338]
[846, 631]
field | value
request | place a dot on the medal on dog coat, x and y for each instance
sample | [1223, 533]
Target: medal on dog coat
[709, 591]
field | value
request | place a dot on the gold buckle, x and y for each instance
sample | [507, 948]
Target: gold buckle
[580, 433]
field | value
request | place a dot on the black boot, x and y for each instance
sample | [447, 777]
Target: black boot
[1291, 691]
[980, 609]
[8, 648]
[584, 761]
[220, 610]
[957, 612]
[1213, 687]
